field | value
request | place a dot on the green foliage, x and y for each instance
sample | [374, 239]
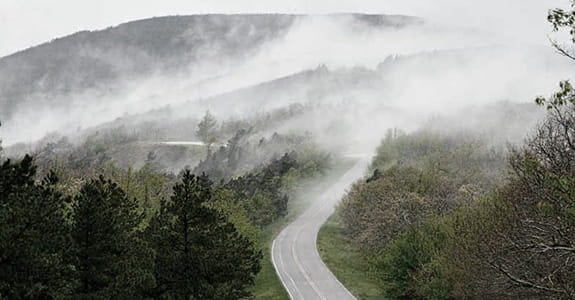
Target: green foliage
[416, 176]
[409, 265]
[93, 247]
[235, 212]
[531, 246]
[198, 252]
[241, 155]
[376, 212]
[144, 184]
[110, 257]
[265, 192]
[348, 263]
[33, 234]
[469, 237]
[564, 19]
[565, 96]
[400, 216]
[227, 161]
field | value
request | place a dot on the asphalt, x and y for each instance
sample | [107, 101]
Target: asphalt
[294, 250]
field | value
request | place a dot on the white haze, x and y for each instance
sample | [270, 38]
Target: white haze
[24, 23]
[502, 67]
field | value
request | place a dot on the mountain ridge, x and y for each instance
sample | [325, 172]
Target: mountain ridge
[102, 59]
[368, 17]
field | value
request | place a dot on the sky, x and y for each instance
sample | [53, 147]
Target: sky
[25, 23]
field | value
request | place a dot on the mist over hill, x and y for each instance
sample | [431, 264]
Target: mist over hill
[358, 71]
[163, 45]
[107, 69]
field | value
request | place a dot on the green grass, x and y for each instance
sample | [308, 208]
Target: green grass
[267, 284]
[346, 262]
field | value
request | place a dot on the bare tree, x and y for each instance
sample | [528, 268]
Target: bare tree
[537, 242]
[528, 248]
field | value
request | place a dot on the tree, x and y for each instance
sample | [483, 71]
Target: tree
[111, 258]
[528, 251]
[199, 254]
[33, 234]
[377, 212]
[224, 202]
[0, 142]
[540, 234]
[532, 247]
[207, 130]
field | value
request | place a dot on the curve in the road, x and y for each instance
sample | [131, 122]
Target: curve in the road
[294, 251]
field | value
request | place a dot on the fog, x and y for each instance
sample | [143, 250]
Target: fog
[24, 23]
[451, 60]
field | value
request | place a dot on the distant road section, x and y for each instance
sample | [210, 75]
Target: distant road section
[182, 143]
[294, 251]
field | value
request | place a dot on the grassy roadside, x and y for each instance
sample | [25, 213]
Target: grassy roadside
[268, 285]
[346, 262]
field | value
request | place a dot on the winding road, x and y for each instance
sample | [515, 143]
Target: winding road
[294, 251]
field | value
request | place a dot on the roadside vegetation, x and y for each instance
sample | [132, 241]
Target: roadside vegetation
[445, 217]
[346, 261]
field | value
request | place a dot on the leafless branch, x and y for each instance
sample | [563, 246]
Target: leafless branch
[526, 283]
[562, 50]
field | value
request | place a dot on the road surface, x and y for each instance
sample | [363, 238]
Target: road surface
[294, 252]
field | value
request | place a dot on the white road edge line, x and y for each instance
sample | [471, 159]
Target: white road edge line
[280, 275]
[313, 214]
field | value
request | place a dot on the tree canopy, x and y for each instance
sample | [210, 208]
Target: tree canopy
[199, 253]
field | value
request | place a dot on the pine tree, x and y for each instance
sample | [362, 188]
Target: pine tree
[0, 143]
[111, 258]
[207, 130]
[33, 234]
[198, 253]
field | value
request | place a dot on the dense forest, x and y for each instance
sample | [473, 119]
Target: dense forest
[76, 224]
[445, 216]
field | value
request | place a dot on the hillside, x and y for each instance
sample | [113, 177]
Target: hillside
[91, 59]
[106, 59]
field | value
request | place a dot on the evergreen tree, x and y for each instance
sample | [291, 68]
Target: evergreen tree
[111, 258]
[207, 130]
[199, 254]
[33, 234]
[0, 143]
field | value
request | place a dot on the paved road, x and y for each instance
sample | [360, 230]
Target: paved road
[294, 251]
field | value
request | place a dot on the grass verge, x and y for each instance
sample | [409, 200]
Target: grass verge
[346, 262]
[267, 284]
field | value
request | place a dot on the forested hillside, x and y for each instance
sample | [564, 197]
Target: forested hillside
[84, 221]
[104, 61]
